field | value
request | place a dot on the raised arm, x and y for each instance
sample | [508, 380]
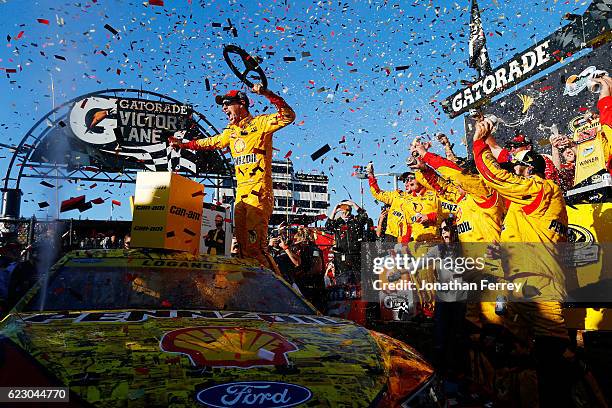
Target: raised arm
[284, 116]
[386, 197]
[518, 189]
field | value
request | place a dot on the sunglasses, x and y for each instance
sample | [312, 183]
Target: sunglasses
[229, 102]
[410, 178]
[446, 228]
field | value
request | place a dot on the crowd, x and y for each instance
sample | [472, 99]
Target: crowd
[504, 195]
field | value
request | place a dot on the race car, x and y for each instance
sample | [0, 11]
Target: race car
[146, 328]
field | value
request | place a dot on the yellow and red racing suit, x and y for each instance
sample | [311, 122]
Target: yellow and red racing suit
[605, 119]
[250, 143]
[479, 216]
[396, 221]
[481, 210]
[536, 221]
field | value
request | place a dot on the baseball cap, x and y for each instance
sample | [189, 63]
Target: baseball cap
[518, 141]
[233, 96]
[405, 175]
[532, 159]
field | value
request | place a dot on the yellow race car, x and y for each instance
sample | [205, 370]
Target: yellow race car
[141, 328]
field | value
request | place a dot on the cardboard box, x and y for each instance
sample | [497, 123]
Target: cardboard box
[167, 212]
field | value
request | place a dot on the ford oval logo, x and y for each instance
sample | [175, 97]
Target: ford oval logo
[251, 394]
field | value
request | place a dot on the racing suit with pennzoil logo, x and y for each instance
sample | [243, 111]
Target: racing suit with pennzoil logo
[250, 143]
[605, 119]
[479, 219]
[396, 221]
[535, 225]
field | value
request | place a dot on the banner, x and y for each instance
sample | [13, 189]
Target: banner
[556, 103]
[115, 133]
[216, 236]
[592, 28]
[167, 212]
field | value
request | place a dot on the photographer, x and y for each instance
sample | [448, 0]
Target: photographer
[349, 231]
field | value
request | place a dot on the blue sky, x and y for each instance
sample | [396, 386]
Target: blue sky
[352, 45]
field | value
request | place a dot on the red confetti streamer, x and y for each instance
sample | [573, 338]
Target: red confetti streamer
[42, 21]
[20, 35]
[279, 28]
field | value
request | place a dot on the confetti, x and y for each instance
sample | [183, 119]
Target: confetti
[42, 21]
[111, 29]
[320, 152]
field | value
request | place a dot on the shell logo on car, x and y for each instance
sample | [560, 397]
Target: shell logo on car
[228, 346]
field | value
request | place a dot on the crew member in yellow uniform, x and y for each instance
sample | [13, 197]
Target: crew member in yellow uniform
[396, 221]
[250, 142]
[534, 226]
[479, 219]
[605, 117]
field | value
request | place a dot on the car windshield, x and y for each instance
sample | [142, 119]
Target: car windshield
[91, 287]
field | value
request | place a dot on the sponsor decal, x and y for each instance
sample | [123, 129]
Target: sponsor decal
[418, 207]
[586, 251]
[268, 394]
[516, 70]
[136, 129]
[245, 159]
[589, 150]
[228, 346]
[449, 206]
[239, 146]
[398, 214]
[464, 227]
[133, 316]
[252, 236]
[577, 83]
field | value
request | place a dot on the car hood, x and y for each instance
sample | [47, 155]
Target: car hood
[160, 358]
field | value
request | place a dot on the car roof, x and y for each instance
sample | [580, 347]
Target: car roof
[160, 255]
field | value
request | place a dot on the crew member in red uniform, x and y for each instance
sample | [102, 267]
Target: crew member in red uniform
[249, 139]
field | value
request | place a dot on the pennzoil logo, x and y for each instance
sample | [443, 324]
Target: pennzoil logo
[228, 346]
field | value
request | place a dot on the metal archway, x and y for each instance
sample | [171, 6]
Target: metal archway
[21, 164]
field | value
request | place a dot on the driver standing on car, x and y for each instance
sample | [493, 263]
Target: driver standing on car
[250, 141]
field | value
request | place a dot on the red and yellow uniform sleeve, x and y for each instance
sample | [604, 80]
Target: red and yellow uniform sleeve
[471, 183]
[275, 121]
[220, 141]
[442, 187]
[386, 197]
[605, 118]
[521, 190]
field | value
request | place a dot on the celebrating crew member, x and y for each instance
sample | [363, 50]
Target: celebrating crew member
[396, 221]
[481, 210]
[605, 116]
[536, 214]
[415, 213]
[250, 141]
[479, 216]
